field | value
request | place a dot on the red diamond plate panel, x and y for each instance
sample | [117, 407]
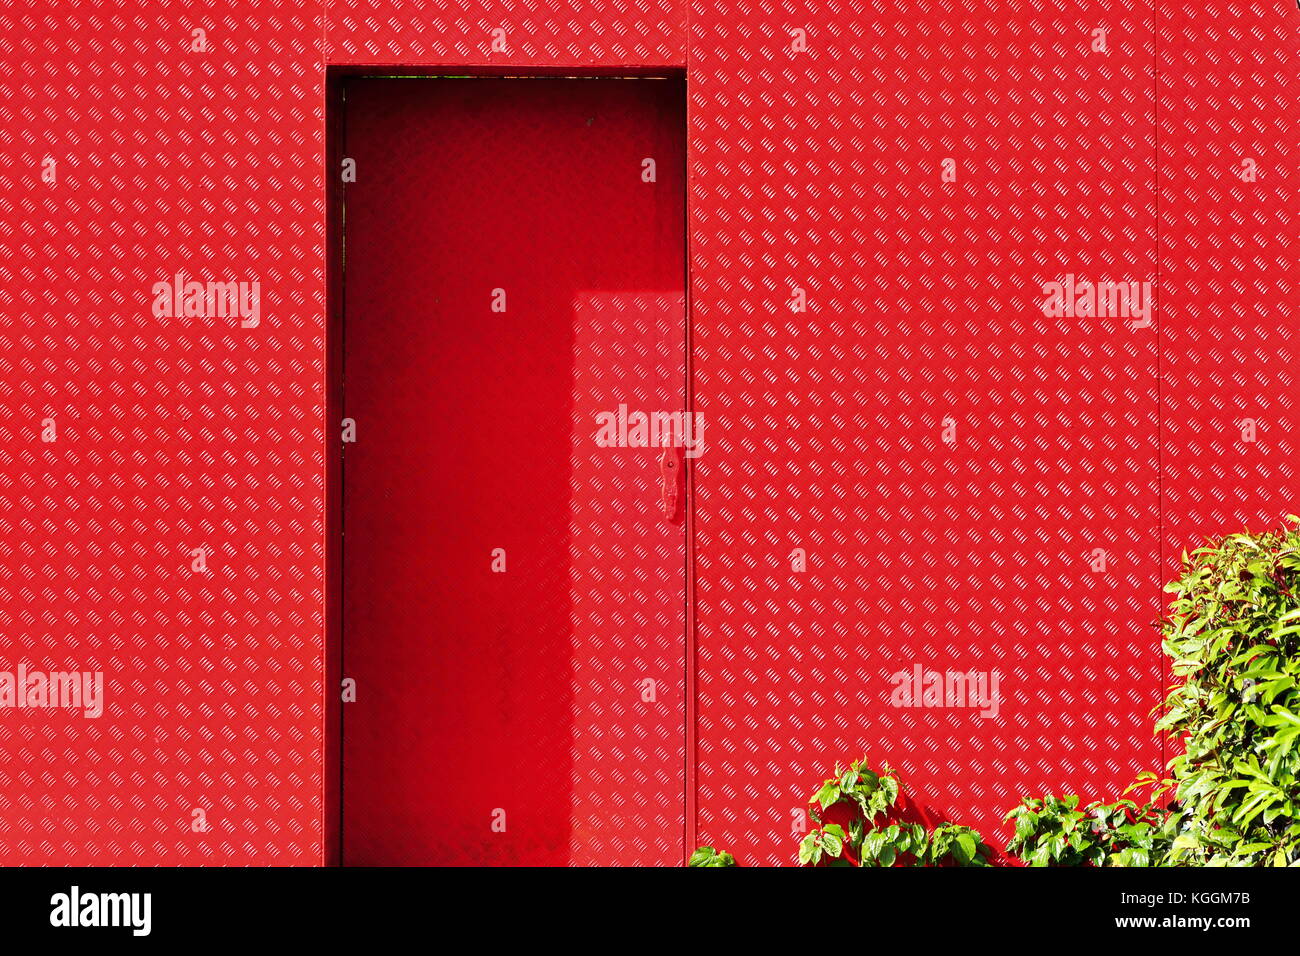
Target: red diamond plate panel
[971, 482]
[162, 514]
[890, 400]
[509, 34]
[1229, 244]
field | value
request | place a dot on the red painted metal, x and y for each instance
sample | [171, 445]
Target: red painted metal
[505, 34]
[513, 595]
[1229, 244]
[817, 135]
[947, 457]
[171, 435]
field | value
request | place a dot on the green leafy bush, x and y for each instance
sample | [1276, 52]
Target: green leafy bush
[951, 844]
[855, 823]
[1053, 831]
[865, 831]
[1233, 637]
[708, 856]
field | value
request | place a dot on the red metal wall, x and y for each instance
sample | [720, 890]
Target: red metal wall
[923, 306]
[814, 171]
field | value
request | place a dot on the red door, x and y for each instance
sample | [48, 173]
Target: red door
[513, 552]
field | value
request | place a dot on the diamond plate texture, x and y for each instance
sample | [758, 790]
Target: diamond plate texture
[1070, 434]
[546, 33]
[627, 590]
[170, 435]
[1228, 253]
[817, 170]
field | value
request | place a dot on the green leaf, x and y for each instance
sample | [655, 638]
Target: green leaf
[829, 794]
[808, 849]
[963, 850]
[701, 856]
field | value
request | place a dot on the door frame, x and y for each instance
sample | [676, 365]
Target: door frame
[335, 279]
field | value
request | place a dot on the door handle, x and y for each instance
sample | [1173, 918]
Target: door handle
[670, 479]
